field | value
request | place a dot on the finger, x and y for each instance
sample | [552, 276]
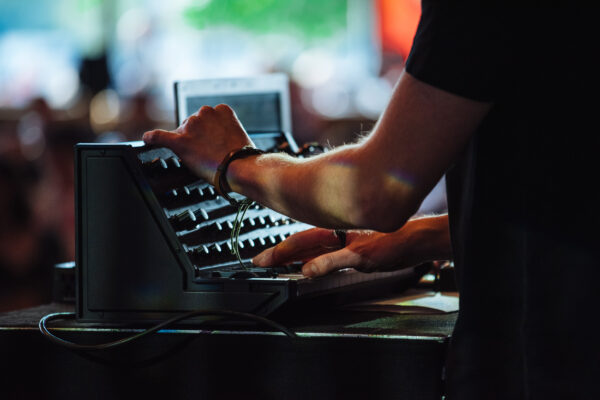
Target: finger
[329, 262]
[225, 109]
[282, 254]
[313, 237]
[204, 111]
[193, 121]
[299, 246]
[181, 127]
[160, 137]
[264, 258]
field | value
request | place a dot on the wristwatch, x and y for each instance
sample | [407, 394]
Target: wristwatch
[221, 185]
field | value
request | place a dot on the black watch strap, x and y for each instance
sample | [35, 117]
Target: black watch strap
[221, 185]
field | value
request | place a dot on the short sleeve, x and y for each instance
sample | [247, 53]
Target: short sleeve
[462, 47]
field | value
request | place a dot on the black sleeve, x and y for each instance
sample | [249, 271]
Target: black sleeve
[463, 47]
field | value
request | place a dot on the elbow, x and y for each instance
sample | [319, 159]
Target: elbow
[386, 213]
[389, 221]
[388, 226]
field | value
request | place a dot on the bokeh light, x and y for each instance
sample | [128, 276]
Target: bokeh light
[104, 110]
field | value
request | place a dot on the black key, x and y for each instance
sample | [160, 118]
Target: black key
[170, 197]
[219, 254]
[216, 254]
[280, 238]
[154, 167]
[184, 220]
[166, 174]
[198, 255]
[210, 255]
[175, 162]
[209, 233]
[201, 214]
[208, 193]
[186, 196]
[250, 249]
[223, 212]
[250, 224]
[200, 193]
[262, 244]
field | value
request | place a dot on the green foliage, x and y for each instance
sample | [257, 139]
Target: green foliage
[85, 5]
[312, 18]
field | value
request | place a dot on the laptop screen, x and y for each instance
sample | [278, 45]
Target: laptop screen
[259, 112]
[261, 102]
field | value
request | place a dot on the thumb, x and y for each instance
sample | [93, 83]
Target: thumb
[160, 137]
[329, 262]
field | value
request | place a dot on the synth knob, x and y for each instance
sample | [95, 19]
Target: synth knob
[175, 162]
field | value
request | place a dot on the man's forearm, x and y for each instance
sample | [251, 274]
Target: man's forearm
[335, 190]
[427, 238]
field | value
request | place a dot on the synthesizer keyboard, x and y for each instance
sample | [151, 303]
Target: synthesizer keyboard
[153, 240]
[203, 221]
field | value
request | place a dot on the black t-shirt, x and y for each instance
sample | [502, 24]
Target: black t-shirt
[522, 201]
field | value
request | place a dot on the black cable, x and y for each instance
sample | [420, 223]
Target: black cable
[74, 346]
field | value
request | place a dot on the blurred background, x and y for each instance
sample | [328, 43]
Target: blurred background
[103, 70]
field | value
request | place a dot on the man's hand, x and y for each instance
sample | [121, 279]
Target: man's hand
[203, 139]
[420, 240]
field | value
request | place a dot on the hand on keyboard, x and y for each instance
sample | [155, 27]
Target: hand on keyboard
[420, 240]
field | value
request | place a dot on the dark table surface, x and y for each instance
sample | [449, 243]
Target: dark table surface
[340, 353]
[335, 321]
